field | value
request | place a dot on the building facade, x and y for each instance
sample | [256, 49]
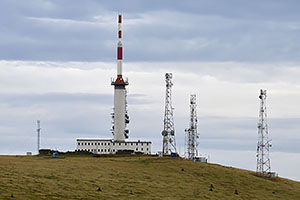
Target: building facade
[109, 146]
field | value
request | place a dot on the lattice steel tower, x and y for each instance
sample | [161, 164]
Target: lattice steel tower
[264, 144]
[169, 143]
[191, 134]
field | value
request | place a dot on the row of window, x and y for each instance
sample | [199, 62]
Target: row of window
[107, 150]
[88, 143]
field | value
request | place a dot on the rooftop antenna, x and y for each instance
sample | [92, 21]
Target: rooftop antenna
[169, 143]
[191, 133]
[38, 135]
[264, 144]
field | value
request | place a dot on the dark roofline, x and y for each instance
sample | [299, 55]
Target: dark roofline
[111, 140]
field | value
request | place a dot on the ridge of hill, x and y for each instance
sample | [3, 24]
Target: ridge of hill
[136, 177]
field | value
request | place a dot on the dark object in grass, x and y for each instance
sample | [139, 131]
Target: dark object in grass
[211, 187]
[12, 195]
[236, 192]
[99, 189]
[182, 169]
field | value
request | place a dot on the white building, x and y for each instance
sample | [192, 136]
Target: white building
[109, 146]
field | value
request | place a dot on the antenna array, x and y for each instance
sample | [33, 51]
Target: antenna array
[191, 134]
[264, 144]
[169, 143]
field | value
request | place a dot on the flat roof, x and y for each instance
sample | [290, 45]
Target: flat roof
[111, 140]
[90, 139]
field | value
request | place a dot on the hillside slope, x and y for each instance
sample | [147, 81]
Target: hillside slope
[133, 178]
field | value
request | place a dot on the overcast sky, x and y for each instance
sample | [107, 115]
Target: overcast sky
[57, 58]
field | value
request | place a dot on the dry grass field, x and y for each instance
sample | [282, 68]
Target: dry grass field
[136, 177]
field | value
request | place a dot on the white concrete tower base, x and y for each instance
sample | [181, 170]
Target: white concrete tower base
[119, 105]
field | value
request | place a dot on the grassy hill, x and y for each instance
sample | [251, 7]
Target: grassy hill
[26, 177]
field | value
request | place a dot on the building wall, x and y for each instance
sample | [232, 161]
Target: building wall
[119, 113]
[111, 147]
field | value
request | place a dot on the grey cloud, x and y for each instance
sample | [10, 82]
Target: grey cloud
[21, 100]
[53, 98]
[181, 31]
[241, 133]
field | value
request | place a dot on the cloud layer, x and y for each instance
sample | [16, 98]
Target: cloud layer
[256, 31]
[78, 101]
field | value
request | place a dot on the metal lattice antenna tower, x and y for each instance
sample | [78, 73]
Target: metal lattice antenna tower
[191, 134]
[169, 143]
[38, 135]
[263, 145]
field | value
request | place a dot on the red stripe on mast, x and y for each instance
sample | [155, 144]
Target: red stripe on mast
[120, 53]
[120, 19]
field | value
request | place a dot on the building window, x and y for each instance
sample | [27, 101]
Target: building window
[104, 150]
[131, 144]
[136, 143]
[101, 143]
[136, 149]
[147, 149]
[78, 143]
[105, 144]
[142, 149]
[108, 143]
[119, 144]
[92, 143]
[98, 150]
[114, 144]
[108, 150]
[125, 143]
[98, 143]
[84, 143]
[101, 150]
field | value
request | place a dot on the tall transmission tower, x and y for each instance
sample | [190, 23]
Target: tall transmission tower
[38, 135]
[191, 133]
[169, 143]
[264, 144]
[120, 117]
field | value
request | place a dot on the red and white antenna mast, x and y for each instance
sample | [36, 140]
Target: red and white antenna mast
[120, 51]
[120, 117]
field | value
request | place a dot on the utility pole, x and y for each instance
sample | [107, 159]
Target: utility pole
[38, 135]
